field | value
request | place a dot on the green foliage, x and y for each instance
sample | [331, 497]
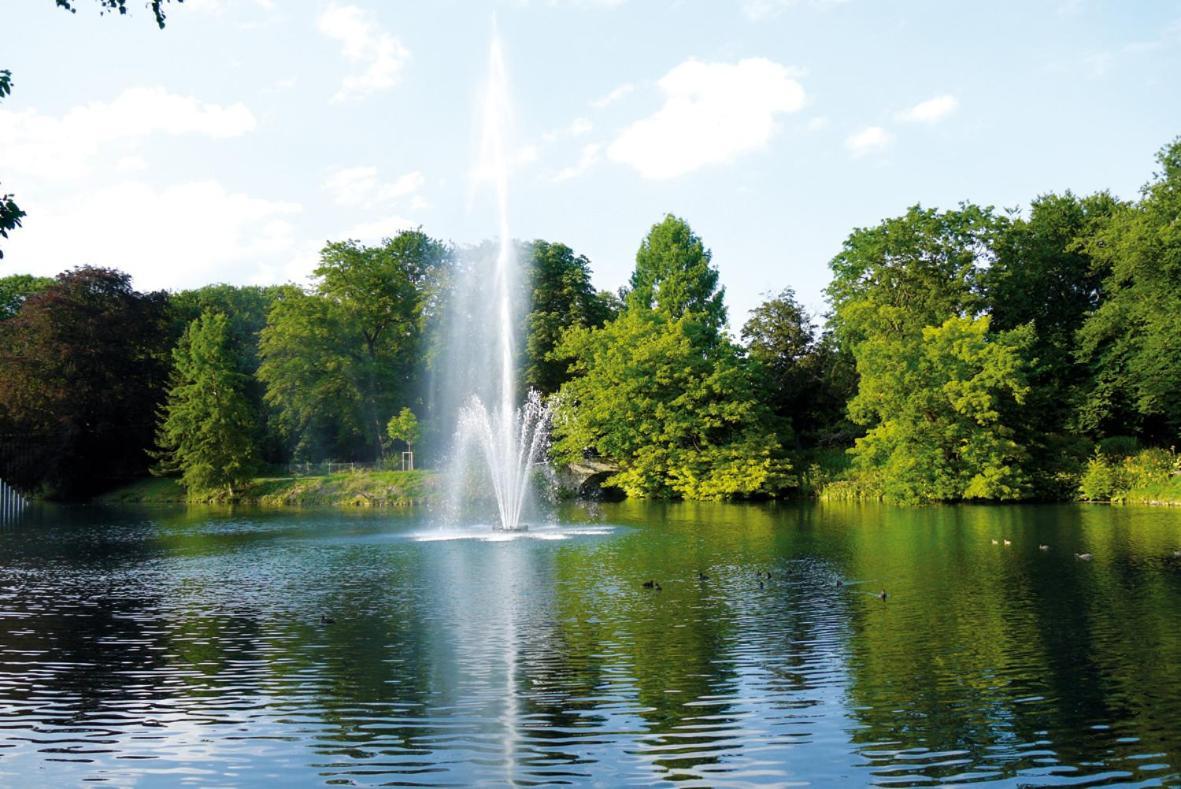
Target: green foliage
[562, 296]
[934, 406]
[678, 417]
[208, 429]
[911, 272]
[933, 381]
[15, 289]
[313, 369]
[1133, 339]
[1111, 477]
[404, 427]
[83, 367]
[675, 277]
[339, 361]
[246, 309]
[1044, 277]
[805, 378]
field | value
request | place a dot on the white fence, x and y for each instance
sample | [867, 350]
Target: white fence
[11, 503]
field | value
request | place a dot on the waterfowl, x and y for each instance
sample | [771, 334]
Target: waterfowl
[996, 542]
[1043, 547]
[702, 576]
[1177, 554]
[882, 595]
[327, 620]
[1008, 542]
[651, 585]
[839, 582]
[1083, 557]
[762, 585]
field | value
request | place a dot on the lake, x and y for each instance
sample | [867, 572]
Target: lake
[164, 646]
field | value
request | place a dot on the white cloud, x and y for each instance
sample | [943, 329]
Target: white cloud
[819, 123]
[379, 54]
[360, 186]
[712, 113]
[930, 111]
[66, 146]
[614, 96]
[178, 236]
[872, 139]
[589, 157]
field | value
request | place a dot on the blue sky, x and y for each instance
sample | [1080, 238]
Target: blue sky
[233, 144]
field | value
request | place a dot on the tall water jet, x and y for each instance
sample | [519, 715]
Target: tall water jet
[503, 441]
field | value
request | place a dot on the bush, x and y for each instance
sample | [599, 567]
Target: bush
[1111, 478]
[1103, 479]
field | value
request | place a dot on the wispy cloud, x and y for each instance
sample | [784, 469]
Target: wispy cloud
[590, 155]
[872, 139]
[929, 111]
[380, 56]
[614, 96]
[361, 186]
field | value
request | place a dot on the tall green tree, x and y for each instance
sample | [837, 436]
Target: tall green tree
[83, 367]
[911, 271]
[246, 309]
[1044, 276]
[934, 405]
[208, 430]
[675, 276]
[905, 298]
[338, 362]
[1132, 340]
[561, 297]
[384, 291]
[313, 369]
[806, 379]
[680, 419]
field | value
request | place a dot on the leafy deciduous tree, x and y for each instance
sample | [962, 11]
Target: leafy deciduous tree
[679, 419]
[83, 366]
[1133, 339]
[934, 404]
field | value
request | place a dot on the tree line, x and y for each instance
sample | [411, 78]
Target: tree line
[967, 353]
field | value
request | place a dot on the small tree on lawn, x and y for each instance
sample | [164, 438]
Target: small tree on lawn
[404, 428]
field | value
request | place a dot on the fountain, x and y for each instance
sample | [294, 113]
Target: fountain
[483, 347]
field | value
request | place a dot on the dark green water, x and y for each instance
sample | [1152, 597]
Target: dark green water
[155, 647]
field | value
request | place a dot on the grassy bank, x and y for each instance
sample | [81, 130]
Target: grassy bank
[1166, 493]
[344, 489]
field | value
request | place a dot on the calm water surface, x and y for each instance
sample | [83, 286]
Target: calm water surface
[160, 646]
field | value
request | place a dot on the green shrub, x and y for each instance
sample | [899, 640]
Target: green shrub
[1103, 479]
[1112, 478]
